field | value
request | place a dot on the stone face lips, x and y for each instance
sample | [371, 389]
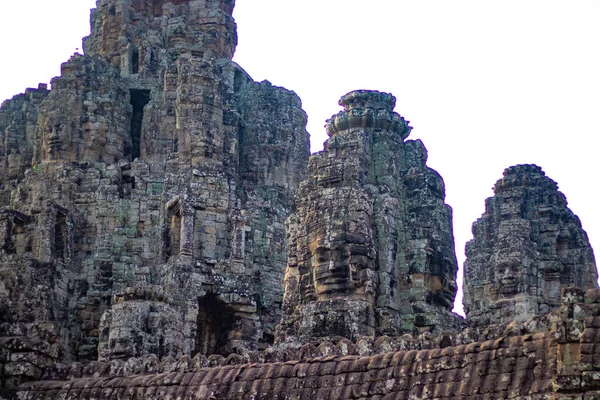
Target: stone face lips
[370, 247]
[526, 247]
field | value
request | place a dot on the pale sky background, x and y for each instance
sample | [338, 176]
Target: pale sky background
[485, 84]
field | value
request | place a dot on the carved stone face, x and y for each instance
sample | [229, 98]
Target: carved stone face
[219, 37]
[331, 268]
[57, 139]
[510, 273]
[137, 328]
[507, 279]
[442, 290]
[66, 140]
[342, 266]
[121, 344]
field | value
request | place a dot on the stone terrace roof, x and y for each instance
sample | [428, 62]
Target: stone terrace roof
[505, 368]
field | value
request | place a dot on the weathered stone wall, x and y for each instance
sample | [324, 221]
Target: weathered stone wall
[526, 247]
[18, 121]
[147, 166]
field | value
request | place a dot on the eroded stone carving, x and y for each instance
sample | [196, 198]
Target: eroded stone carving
[370, 247]
[86, 116]
[526, 247]
[141, 322]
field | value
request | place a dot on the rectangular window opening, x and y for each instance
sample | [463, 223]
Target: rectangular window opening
[139, 100]
[60, 237]
[135, 62]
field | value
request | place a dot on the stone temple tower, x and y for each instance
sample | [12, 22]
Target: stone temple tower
[371, 250]
[527, 246]
[145, 195]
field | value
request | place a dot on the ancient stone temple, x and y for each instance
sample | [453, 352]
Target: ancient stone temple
[371, 250]
[164, 234]
[527, 246]
[144, 197]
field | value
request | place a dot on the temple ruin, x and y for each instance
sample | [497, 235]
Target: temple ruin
[165, 233]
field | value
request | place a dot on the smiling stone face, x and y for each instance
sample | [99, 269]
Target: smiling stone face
[342, 267]
[508, 277]
[331, 269]
[58, 138]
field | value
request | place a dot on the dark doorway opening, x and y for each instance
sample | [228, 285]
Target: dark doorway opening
[139, 99]
[215, 326]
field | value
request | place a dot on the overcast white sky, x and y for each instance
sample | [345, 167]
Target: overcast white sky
[485, 84]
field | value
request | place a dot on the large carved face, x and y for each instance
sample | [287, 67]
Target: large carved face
[331, 269]
[66, 140]
[57, 138]
[342, 266]
[137, 328]
[510, 272]
[121, 343]
[442, 289]
[219, 37]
